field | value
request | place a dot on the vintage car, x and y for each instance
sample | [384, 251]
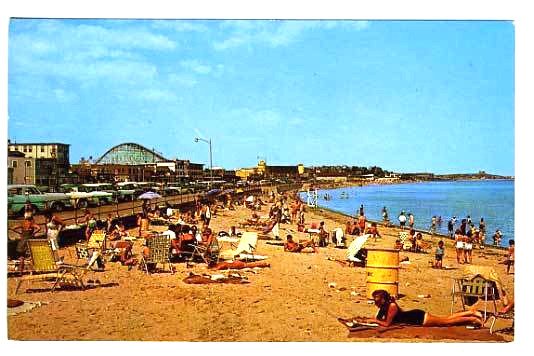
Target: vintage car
[19, 194]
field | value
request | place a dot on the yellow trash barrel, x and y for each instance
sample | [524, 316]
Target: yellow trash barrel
[382, 269]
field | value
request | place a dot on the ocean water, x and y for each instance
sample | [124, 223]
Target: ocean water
[491, 199]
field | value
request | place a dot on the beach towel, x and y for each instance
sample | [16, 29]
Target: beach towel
[208, 279]
[454, 333]
[17, 306]
[250, 257]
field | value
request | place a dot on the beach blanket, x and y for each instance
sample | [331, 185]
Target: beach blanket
[15, 307]
[250, 257]
[456, 333]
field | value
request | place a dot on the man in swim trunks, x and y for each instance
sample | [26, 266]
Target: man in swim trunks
[292, 246]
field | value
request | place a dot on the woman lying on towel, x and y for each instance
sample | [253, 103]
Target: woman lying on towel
[390, 313]
[292, 246]
[239, 265]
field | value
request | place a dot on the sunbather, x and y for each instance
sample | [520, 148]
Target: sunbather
[390, 313]
[373, 231]
[292, 246]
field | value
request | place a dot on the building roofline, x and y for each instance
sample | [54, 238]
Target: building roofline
[37, 143]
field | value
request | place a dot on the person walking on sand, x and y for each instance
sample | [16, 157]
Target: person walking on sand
[402, 220]
[468, 247]
[440, 252]
[53, 228]
[459, 243]
[361, 223]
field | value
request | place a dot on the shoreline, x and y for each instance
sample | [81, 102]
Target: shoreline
[338, 215]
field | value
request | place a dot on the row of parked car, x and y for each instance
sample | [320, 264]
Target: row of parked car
[85, 195]
[96, 194]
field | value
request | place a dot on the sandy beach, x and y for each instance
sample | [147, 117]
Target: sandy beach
[297, 298]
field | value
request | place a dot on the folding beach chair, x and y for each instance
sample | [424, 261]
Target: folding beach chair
[44, 267]
[246, 246]
[89, 256]
[355, 247]
[505, 316]
[208, 254]
[405, 241]
[470, 290]
[159, 247]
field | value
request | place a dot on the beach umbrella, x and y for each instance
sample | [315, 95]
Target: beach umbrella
[149, 196]
[227, 191]
[239, 190]
[213, 192]
[250, 199]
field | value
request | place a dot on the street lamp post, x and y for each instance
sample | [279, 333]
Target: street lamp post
[211, 162]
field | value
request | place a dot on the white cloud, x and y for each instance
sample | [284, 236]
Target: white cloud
[127, 37]
[179, 25]
[52, 48]
[157, 95]
[296, 121]
[182, 79]
[196, 66]
[276, 33]
[64, 97]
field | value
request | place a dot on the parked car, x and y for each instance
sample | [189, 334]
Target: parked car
[18, 194]
[172, 190]
[97, 189]
[129, 191]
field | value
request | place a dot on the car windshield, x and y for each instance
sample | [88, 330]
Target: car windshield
[32, 190]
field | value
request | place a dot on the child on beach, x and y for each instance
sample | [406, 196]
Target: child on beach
[440, 252]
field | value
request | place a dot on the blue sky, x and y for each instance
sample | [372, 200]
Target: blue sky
[408, 96]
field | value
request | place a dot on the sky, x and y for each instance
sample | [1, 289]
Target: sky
[408, 96]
